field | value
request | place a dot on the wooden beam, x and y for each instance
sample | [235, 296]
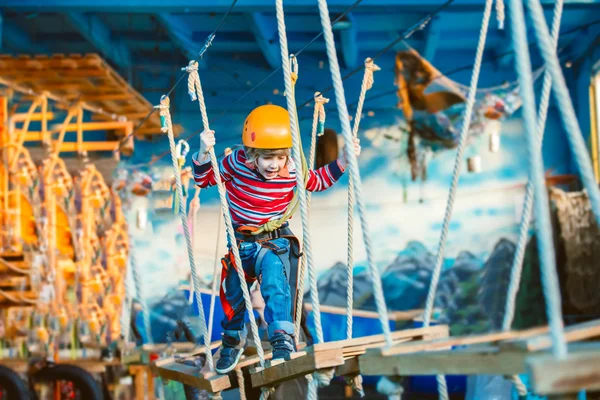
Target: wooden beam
[433, 39]
[580, 370]
[18, 40]
[180, 33]
[314, 358]
[348, 40]
[469, 361]
[573, 333]
[392, 316]
[191, 375]
[97, 33]
[67, 147]
[98, 126]
[221, 6]
[264, 29]
[34, 117]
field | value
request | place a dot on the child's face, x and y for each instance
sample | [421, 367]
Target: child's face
[269, 166]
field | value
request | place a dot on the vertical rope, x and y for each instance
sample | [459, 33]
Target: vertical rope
[240, 378]
[300, 185]
[192, 69]
[542, 212]
[166, 121]
[137, 281]
[500, 13]
[367, 83]
[517, 266]
[567, 112]
[455, 176]
[353, 167]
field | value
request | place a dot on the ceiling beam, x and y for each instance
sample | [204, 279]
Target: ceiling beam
[586, 41]
[264, 29]
[432, 39]
[98, 34]
[349, 43]
[18, 41]
[180, 33]
[154, 6]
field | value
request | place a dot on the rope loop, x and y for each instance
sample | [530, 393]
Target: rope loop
[319, 115]
[192, 70]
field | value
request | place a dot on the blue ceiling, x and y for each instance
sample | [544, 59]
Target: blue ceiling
[148, 41]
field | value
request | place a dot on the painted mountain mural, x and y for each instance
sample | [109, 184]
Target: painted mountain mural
[471, 292]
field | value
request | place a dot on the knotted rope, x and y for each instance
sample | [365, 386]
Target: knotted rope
[318, 127]
[165, 118]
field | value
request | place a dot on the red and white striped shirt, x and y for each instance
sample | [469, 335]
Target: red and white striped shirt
[254, 200]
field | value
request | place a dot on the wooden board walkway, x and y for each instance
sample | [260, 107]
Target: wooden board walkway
[501, 353]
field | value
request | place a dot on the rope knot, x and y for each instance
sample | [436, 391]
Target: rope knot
[165, 115]
[266, 392]
[193, 78]
[356, 383]
[370, 68]
[389, 388]
[323, 377]
[320, 101]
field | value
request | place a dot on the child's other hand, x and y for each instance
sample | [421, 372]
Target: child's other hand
[207, 141]
[343, 161]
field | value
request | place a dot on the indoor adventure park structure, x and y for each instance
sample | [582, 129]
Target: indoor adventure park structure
[84, 208]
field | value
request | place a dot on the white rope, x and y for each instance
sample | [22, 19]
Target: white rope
[318, 122]
[500, 13]
[389, 388]
[313, 390]
[240, 378]
[565, 106]
[300, 185]
[137, 281]
[353, 166]
[192, 69]
[542, 212]
[367, 83]
[166, 123]
[455, 176]
[517, 266]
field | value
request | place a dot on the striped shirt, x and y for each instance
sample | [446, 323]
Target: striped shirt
[254, 200]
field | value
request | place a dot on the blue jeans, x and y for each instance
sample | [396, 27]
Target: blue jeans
[274, 287]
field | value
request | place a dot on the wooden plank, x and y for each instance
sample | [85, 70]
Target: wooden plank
[19, 282]
[425, 345]
[456, 362]
[573, 333]
[580, 370]
[304, 363]
[17, 296]
[392, 316]
[89, 146]
[350, 367]
[365, 342]
[191, 375]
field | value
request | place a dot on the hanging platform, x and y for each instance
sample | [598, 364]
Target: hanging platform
[173, 368]
[86, 77]
[502, 353]
[353, 348]
[580, 370]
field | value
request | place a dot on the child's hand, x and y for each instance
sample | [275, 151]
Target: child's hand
[343, 161]
[207, 141]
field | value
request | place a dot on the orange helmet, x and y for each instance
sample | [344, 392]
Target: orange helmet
[267, 127]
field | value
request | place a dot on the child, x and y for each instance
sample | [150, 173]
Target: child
[260, 181]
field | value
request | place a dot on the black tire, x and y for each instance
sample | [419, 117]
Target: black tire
[83, 380]
[14, 386]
